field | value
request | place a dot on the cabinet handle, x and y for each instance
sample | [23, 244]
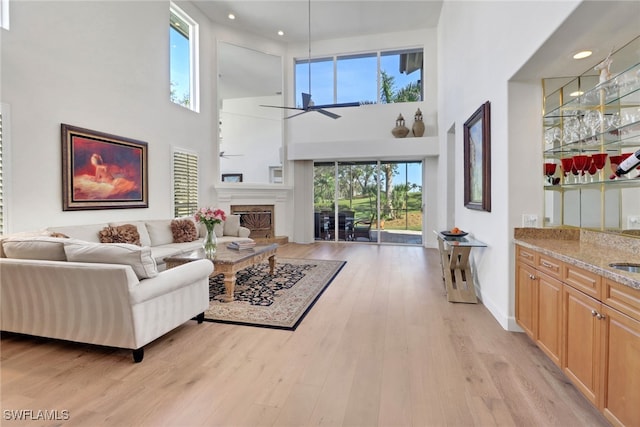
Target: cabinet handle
[600, 316]
[546, 264]
[532, 277]
[594, 313]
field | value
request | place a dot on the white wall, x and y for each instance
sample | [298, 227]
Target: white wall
[481, 45]
[102, 66]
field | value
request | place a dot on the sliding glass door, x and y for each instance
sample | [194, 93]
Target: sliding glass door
[368, 201]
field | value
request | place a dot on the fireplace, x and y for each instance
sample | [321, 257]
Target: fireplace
[257, 218]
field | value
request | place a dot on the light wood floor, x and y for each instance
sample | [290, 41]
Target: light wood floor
[381, 347]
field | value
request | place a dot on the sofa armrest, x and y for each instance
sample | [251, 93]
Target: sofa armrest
[170, 280]
[243, 232]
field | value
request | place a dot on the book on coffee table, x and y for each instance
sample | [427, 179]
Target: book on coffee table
[239, 245]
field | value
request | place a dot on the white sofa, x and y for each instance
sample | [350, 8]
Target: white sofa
[113, 294]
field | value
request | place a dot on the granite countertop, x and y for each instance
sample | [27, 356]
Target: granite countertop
[591, 250]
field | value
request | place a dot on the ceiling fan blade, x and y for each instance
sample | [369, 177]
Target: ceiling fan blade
[295, 115]
[279, 106]
[327, 113]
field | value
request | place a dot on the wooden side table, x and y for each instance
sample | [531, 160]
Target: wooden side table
[456, 270]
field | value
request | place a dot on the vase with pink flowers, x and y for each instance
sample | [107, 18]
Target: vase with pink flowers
[210, 217]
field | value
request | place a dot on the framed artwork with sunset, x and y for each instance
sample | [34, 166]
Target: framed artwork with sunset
[102, 171]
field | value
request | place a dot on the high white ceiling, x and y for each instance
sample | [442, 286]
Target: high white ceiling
[330, 19]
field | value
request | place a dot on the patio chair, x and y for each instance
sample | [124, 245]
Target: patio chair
[362, 229]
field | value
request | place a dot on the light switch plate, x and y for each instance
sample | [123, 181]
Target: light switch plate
[633, 222]
[529, 220]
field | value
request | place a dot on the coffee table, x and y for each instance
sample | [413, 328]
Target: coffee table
[229, 262]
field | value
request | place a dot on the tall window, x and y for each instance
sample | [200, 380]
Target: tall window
[183, 59]
[4, 14]
[185, 183]
[377, 77]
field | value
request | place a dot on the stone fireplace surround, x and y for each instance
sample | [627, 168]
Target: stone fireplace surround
[260, 219]
[279, 197]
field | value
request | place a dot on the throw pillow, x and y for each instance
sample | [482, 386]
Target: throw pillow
[42, 248]
[127, 233]
[145, 240]
[59, 235]
[139, 258]
[232, 225]
[183, 230]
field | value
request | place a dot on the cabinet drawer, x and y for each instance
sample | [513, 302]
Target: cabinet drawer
[623, 298]
[586, 281]
[528, 256]
[549, 265]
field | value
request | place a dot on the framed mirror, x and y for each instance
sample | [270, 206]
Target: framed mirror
[250, 136]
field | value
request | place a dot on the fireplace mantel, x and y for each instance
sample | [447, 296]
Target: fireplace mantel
[277, 195]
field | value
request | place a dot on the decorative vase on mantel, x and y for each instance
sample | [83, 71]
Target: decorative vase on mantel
[418, 124]
[400, 131]
[210, 243]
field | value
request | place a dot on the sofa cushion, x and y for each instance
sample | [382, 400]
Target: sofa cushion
[40, 247]
[88, 233]
[126, 233]
[183, 230]
[159, 231]
[139, 258]
[232, 225]
[142, 230]
[218, 229]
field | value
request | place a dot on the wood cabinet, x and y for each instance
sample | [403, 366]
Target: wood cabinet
[581, 344]
[588, 325]
[539, 303]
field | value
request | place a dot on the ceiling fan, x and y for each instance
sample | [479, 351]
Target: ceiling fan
[307, 103]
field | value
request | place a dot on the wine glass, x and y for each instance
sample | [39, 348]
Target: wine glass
[592, 120]
[567, 164]
[614, 161]
[580, 162]
[549, 171]
[599, 160]
[592, 169]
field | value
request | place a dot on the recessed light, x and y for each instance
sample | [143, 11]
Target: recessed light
[582, 54]
[280, 33]
[576, 93]
[232, 16]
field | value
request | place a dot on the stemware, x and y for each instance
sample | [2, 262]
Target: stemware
[567, 164]
[592, 169]
[614, 161]
[549, 171]
[593, 120]
[580, 162]
[599, 160]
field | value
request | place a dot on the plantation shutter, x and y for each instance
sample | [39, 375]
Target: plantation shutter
[185, 183]
[1, 183]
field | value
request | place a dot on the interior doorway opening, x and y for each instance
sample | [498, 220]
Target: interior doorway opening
[369, 201]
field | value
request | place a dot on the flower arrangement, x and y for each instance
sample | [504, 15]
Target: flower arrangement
[210, 217]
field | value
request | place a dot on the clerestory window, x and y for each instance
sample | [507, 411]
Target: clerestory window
[377, 77]
[183, 59]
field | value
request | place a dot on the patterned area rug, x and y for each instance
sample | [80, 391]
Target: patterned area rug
[280, 301]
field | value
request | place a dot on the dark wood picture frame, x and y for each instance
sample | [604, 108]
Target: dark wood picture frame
[477, 159]
[102, 171]
[231, 177]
